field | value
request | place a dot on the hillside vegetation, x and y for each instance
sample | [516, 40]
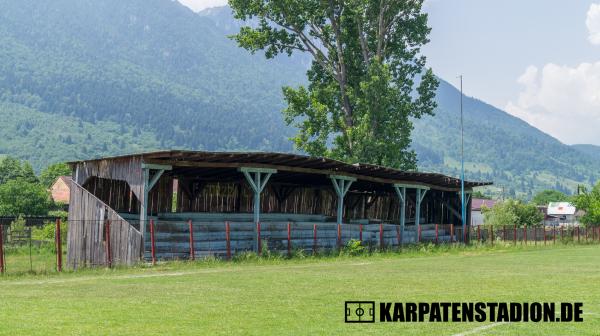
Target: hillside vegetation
[100, 78]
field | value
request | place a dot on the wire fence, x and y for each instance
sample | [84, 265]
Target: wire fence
[28, 246]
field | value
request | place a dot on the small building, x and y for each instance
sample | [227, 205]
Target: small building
[477, 204]
[61, 190]
[220, 203]
[561, 214]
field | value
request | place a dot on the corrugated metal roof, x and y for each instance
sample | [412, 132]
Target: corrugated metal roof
[561, 208]
[478, 203]
[284, 160]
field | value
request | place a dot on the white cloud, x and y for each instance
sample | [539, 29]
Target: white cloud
[198, 5]
[592, 22]
[562, 101]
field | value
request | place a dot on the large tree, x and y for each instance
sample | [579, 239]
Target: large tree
[367, 78]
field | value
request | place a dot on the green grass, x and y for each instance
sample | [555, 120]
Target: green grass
[302, 296]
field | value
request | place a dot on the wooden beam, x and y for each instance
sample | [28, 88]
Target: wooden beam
[298, 170]
[156, 166]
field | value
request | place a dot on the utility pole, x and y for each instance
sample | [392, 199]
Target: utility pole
[462, 164]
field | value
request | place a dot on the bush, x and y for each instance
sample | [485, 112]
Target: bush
[513, 212]
[353, 247]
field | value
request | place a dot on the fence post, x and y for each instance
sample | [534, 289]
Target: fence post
[562, 233]
[1, 249]
[525, 234]
[419, 233]
[259, 239]
[314, 238]
[479, 233]
[107, 243]
[544, 231]
[451, 233]
[578, 235]
[437, 237]
[492, 234]
[504, 233]
[339, 236]
[191, 228]
[398, 235]
[360, 229]
[228, 240]
[58, 242]
[152, 242]
[289, 239]
[381, 244]
[554, 235]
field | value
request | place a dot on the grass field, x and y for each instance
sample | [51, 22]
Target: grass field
[303, 296]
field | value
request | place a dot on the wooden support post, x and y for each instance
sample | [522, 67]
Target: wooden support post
[535, 235]
[107, 243]
[289, 239]
[398, 236]
[525, 234]
[515, 235]
[152, 242]
[419, 234]
[191, 228]
[544, 231]
[257, 178]
[148, 184]
[314, 238]
[1, 249]
[420, 196]
[451, 233]
[554, 235]
[492, 233]
[437, 234]
[341, 185]
[381, 243]
[228, 240]
[58, 242]
[401, 192]
[578, 234]
[479, 233]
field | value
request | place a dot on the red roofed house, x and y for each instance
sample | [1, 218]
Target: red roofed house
[476, 213]
[61, 189]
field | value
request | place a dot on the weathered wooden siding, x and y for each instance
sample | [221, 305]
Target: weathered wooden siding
[172, 237]
[237, 197]
[86, 242]
[124, 169]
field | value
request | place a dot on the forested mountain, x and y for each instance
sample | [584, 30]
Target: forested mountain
[83, 78]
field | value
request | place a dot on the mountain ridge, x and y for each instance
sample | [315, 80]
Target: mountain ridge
[152, 74]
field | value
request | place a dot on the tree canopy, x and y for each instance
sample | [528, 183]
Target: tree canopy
[21, 197]
[513, 212]
[589, 202]
[367, 78]
[52, 172]
[546, 196]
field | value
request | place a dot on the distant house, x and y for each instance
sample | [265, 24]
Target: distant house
[61, 189]
[561, 213]
[476, 213]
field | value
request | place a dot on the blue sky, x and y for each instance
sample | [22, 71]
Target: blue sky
[537, 59]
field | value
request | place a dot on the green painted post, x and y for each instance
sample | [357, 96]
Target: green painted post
[257, 183]
[341, 184]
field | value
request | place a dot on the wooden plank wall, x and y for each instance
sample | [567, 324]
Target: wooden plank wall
[126, 169]
[172, 237]
[233, 197]
[86, 236]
